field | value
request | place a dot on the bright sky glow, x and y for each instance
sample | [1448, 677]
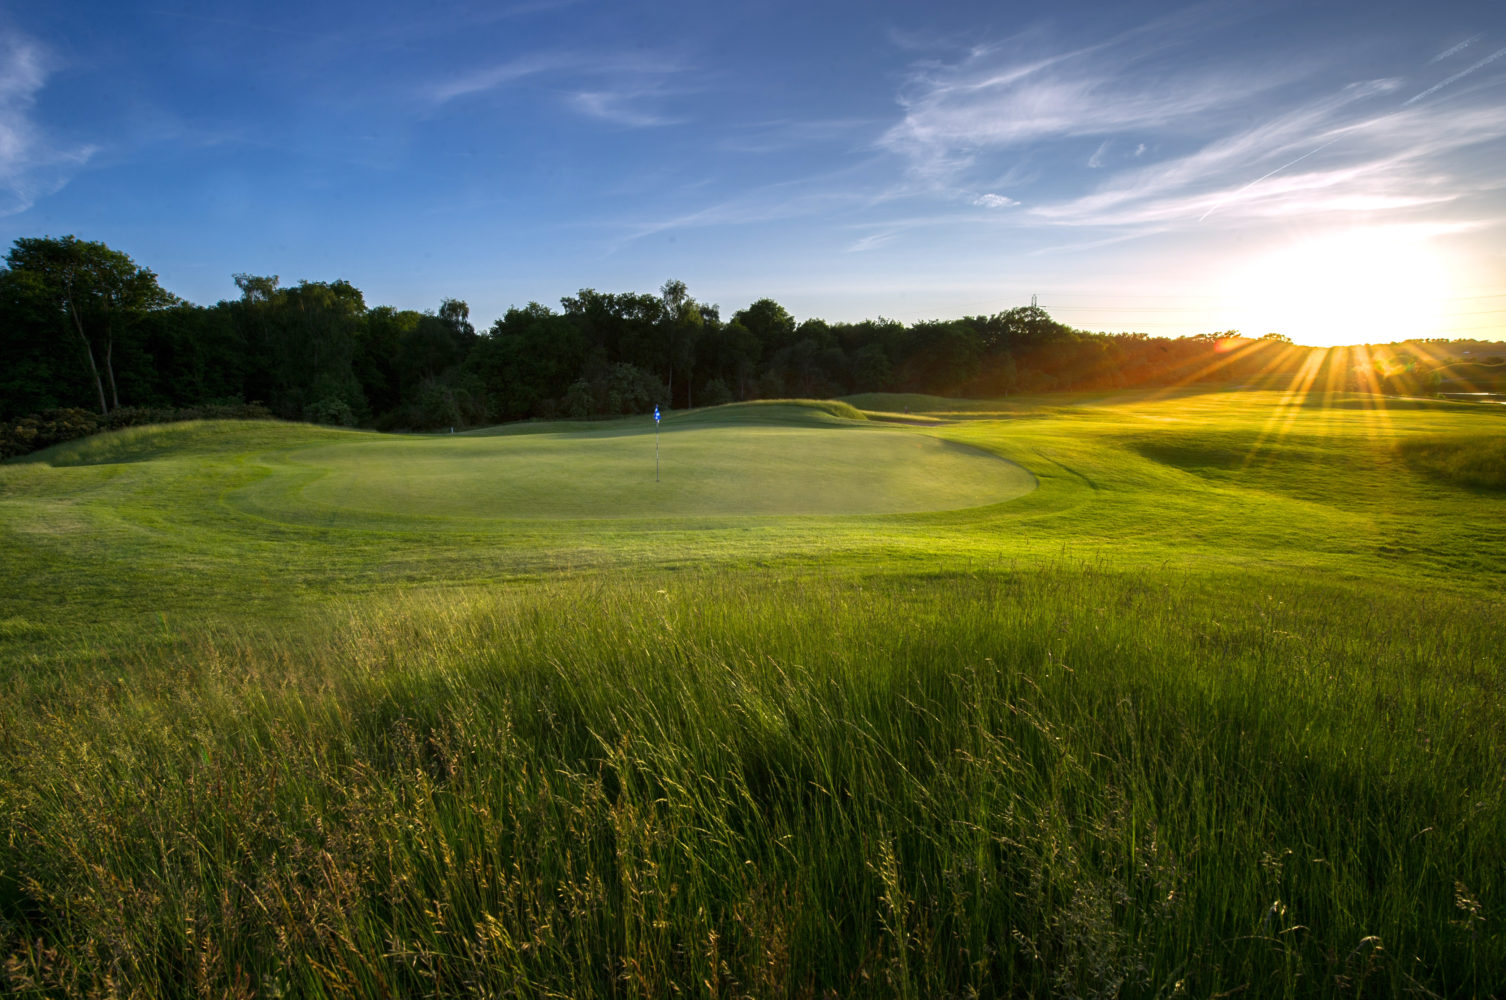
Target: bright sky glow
[1328, 171]
[1371, 285]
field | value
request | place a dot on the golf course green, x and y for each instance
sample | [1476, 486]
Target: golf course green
[1190, 693]
[701, 468]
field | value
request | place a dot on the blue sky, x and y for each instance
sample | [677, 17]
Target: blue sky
[1335, 173]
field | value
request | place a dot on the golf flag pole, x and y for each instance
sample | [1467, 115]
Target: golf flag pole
[656, 444]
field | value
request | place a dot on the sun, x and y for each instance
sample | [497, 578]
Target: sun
[1360, 286]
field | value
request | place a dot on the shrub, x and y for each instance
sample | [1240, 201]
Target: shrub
[331, 411]
[715, 393]
[42, 430]
[577, 402]
[630, 389]
[620, 390]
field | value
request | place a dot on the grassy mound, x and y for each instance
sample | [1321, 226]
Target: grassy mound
[809, 412]
[183, 440]
[1476, 462]
[918, 403]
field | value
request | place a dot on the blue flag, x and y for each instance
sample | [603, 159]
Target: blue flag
[656, 414]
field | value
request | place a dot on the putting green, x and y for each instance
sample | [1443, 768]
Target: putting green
[609, 472]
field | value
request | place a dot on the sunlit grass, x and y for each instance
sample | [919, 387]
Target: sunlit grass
[1212, 709]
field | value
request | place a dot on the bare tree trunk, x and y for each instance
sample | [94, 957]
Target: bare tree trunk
[110, 371]
[89, 353]
[109, 364]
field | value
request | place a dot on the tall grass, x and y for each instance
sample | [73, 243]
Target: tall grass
[1476, 461]
[1065, 781]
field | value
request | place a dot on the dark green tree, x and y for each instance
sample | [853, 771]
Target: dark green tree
[94, 293]
[378, 359]
[770, 322]
[39, 370]
[683, 325]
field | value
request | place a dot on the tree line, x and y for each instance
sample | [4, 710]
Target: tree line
[83, 325]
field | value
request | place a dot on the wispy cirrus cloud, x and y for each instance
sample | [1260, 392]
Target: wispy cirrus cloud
[500, 74]
[872, 241]
[1383, 162]
[1258, 140]
[625, 90]
[994, 201]
[628, 108]
[1240, 151]
[1012, 96]
[32, 164]
[837, 192]
[1157, 130]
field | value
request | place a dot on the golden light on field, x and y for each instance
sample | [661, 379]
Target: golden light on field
[1362, 286]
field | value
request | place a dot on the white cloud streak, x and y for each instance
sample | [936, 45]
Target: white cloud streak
[994, 201]
[1455, 50]
[622, 90]
[620, 108]
[1388, 163]
[1256, 152]
[871, 242]
[1457, 76]
[824, 194]
[32, 166]
[1011, 97]
[1145, 133]
[483, 80]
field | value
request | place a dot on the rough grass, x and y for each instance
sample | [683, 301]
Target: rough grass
[186, 439]
[1217, 709]
[1476, 461]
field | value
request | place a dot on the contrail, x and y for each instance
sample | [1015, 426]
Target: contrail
[1257, 180]
[1456, 49]
[1456, 77]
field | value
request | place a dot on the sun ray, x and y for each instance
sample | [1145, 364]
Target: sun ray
[1229, 351]
[1289, 405]
[1336, 363]
[1373, 397]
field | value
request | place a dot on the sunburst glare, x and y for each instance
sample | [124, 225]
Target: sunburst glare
[1362, 286]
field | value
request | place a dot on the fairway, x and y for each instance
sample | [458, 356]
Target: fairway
[1074, 695]
[704, 470]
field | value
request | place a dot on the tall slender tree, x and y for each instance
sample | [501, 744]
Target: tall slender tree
[95, 290]
[683, 325]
